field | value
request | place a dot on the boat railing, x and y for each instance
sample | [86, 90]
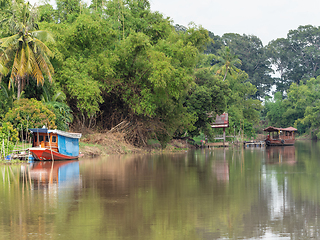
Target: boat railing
[286, 137]
[281, 137]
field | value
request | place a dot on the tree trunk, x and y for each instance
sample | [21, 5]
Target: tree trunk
[18, 87]
[225, 75]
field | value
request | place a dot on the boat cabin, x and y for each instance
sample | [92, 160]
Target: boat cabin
[45, 140]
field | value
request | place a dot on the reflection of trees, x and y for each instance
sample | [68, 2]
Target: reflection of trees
[178, 196]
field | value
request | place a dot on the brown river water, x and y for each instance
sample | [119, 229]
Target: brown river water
[234, 193]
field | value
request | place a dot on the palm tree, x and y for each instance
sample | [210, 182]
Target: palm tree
[227, 62]
[56, 103]
[24, 53]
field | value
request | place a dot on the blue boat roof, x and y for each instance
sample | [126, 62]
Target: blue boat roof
[39, 130]
[59, 132]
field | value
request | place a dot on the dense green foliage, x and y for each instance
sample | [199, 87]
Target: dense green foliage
[297, 57]
[30, 113]
[300, 108]
[253, 56]
[119, 61]
[8, 138]
[254, 59]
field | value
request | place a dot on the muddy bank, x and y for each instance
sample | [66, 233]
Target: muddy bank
[99, 144]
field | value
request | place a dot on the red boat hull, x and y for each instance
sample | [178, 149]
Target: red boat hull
[44, 154]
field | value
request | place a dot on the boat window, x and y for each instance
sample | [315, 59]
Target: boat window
[47, 138]
[35, 138]
[54, 139]
[40, 138]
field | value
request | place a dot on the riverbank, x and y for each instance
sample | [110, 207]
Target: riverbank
[99, 144]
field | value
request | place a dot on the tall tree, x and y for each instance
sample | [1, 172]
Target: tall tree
[68, 10]
[227, 62]
[304, 44]
[214, 45]
[207, 97]
[25, 54]
[278, 53]
[304, 99]
[255, 62]
[297, 57]
[275, 110]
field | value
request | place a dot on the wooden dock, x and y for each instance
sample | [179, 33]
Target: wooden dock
[252, 144]
[19, 154]
[249, 144]
[217, 144]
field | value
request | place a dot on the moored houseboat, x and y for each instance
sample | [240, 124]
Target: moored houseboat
[280, 136]
[54, 144]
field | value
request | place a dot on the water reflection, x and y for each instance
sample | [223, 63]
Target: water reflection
[221, 194]
[281, 154]
[60, 173]
[220, 168]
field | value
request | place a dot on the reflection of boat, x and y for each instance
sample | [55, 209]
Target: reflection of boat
[280, 136]
[61, 171]
[54, 144]
[284, 154]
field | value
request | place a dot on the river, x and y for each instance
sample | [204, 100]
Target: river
[234, 193]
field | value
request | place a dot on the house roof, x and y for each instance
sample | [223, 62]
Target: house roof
[274, 129]
[291, 129]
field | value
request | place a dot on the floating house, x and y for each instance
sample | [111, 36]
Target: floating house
[280, 136]
[54, 144]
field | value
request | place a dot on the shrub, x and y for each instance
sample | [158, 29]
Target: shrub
[30, 113]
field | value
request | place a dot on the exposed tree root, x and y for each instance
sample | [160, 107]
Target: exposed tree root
[138, 131]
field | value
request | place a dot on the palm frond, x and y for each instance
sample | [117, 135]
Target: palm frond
[42, 47]
[23, 62]
[15, 69]
[11, 82]
[9, 41]
[3, 69]
[48, 66]
[58, 96]
[36, 71]
[42, 35]
[4, 90]
[45, 96]
[8, 57]
[4, 21]
[28, 65]
[45, 65]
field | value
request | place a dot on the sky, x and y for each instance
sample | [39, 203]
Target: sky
[266, 19]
